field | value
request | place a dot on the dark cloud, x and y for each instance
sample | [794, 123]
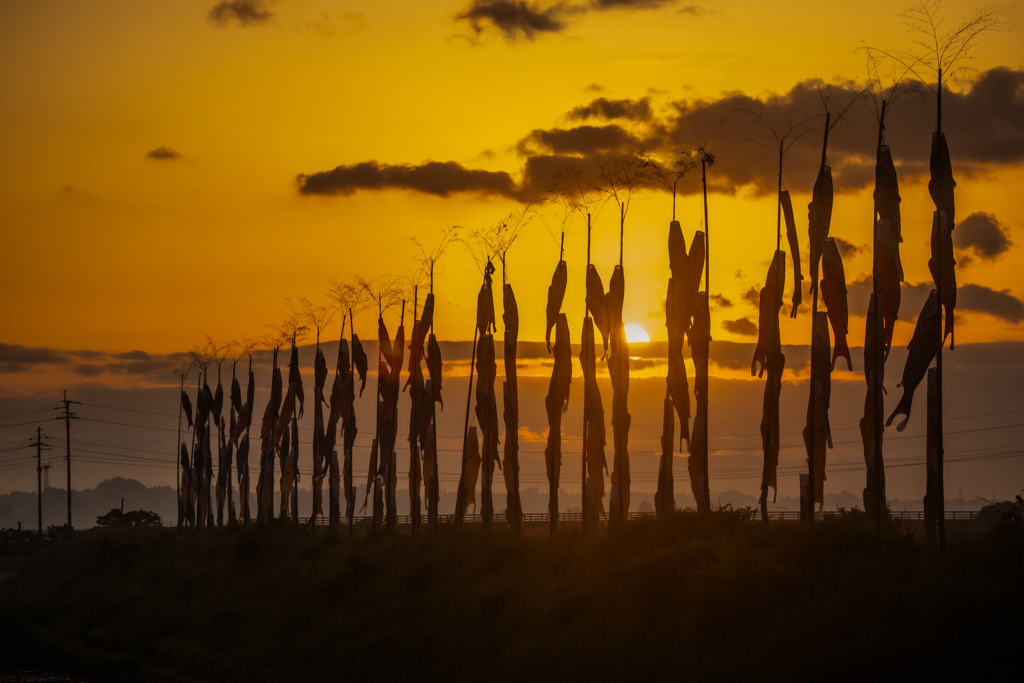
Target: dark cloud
[16, 353]
[981, 299]
[604, 108]
[743, 326]
[849, 248]
[721, 301]
[752, 296]
[981, 234]
[87, 369]
[630, 4]
[729, 355]
[523, 19]
[437, 178]
[694, 10]
[245, 12]
[999, 354]
[585, 140]
[13, 367]
[858, 296]
[163, 154]
[86, 363]
[969, 298]
[150, 367]
[985, 136]
[985, 125]
[515, 19]
[988, 119]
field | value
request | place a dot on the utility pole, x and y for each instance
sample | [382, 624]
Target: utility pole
[67, 417]
[39, 445]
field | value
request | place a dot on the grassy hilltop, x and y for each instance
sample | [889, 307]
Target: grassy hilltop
[702, 598]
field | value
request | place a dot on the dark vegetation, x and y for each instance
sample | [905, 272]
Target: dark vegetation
[705, 597]
[118, 517]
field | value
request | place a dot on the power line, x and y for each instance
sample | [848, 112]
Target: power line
[31, 412]
[20, 424]
[129, 410]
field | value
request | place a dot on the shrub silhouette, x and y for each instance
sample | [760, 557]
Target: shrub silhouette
[133, 518]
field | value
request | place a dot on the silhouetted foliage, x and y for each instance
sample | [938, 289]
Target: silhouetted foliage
[116, 518]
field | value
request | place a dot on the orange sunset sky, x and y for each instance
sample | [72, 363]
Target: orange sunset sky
[149, 191]
[172, 171]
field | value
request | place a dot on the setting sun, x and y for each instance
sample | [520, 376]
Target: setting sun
[635, 333]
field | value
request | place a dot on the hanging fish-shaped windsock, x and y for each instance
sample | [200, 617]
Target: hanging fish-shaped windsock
[204, 406]
[393, 352]
[614, 298]
[510, 312]
[242, 462]
[359, 358]
[873, 372]
[676, 249]
[597, 304]
[776, 363]
[794, 250]
[942, 251]
[692, 274]
[833, 291]
[941, 185]
[186, 405]
[427, 316]
[485, 319]
[218, 403]
[820, 359]
[562, 374]
[678, 384]
[434, 368]
[473, 461]
[596, 438]
[922, 349]
[887, 200]
[555, 402]
[819, 218]
[250, 395]
[320, 372]
[887, 271]
[342, 390]
[236, 395]
[295, 378]
[769, 305]
[556, 292]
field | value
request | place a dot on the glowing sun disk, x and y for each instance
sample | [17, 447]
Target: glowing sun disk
[635, 333]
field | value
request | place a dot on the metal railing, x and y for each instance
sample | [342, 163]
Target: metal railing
[569, 517]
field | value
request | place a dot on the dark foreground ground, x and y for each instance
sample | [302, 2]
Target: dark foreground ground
[715, 598]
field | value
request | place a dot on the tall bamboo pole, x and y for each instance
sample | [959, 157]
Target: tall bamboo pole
[350, 498]
[177, 453]
[939, 452]
[460, 508]
[435, 488]
[585, 503]
[707, 288]
[813, 410]
[879, 361]
[391, 484]
[413, 420]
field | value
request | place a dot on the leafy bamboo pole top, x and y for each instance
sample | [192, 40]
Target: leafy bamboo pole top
[941, 55]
